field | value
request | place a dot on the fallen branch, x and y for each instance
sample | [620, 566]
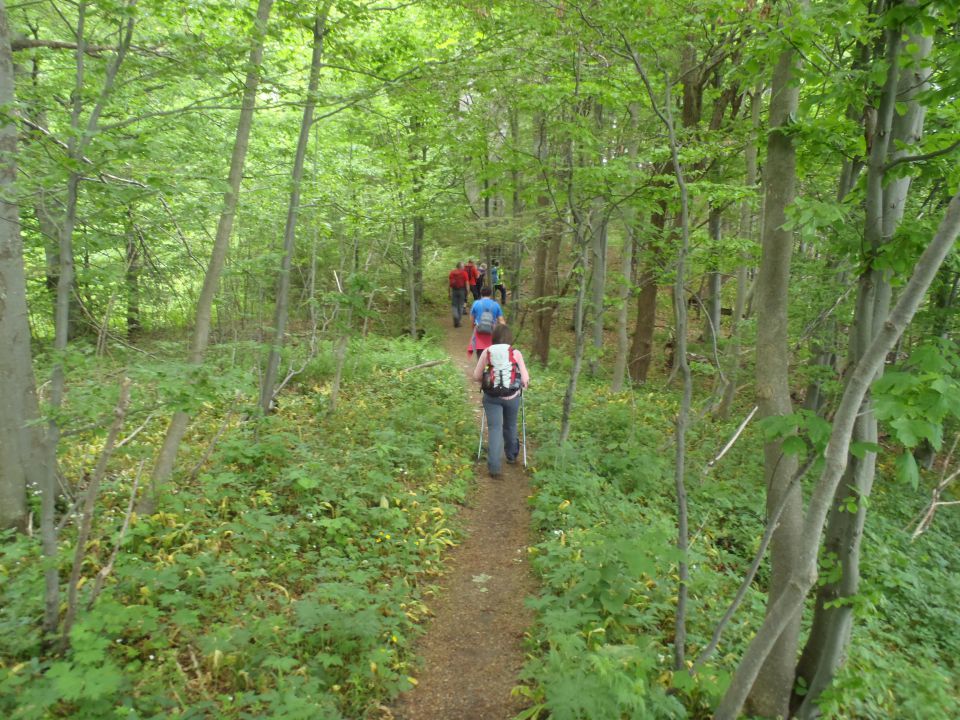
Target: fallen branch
[732, 440]
[426, 365]
[926, 519]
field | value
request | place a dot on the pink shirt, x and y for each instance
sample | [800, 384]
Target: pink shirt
[485, 359]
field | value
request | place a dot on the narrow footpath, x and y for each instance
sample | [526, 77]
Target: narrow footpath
[472, 650]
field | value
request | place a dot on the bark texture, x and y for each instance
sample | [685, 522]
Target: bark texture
[833, 617]
[804, 572]
[770, 695]
[21, 456]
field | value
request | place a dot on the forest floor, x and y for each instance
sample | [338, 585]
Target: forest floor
[473, 648]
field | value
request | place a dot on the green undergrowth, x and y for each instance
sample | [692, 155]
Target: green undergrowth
[605, 511]
[285, 579]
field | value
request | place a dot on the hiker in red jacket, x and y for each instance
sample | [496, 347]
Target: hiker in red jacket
[458, 292]
[472, 276]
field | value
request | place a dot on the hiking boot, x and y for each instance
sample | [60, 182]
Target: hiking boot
[495, 475]
[511, 461]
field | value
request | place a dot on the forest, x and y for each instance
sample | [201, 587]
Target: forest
[239, 464]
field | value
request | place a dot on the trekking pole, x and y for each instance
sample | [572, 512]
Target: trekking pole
[483, 417]
[523, 426]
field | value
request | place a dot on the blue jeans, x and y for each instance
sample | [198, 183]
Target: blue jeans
[502, 428]
[458, 296]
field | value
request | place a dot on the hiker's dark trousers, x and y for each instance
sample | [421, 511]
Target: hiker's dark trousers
[502, 428]
[458, 296]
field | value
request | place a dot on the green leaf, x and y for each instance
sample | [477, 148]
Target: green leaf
[860, 448]
[793, 445]
[907, 469]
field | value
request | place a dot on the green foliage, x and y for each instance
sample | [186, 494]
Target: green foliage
[284, 582]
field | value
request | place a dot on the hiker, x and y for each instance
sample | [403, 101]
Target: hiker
[471, 271]
[486, 314]
[458, 293]
[502, 375]
[496, 281]
[481, 278]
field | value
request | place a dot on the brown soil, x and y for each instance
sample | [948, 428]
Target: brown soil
[472, 651]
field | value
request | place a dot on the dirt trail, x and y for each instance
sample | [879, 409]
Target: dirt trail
[473, 647]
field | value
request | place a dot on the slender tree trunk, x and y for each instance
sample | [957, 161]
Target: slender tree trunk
[545, 280]
[770, 694]
[77, 144]
[833, 618]
[516, 210]
[746, 231]
[623, 338]
[132, 278]
[580, 339]
[711, 318]
[281, 310]
[598, 282]
[641, 350]
[627, 263]
[804, 572]
[221, 244]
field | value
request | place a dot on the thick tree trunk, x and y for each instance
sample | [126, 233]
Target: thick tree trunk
[804, 573]
[201, 334]
[770, 694]
[22, 462]
[281, 310]
[833, 618]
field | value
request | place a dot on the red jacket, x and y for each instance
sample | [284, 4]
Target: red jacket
[471, 270]
[458, 278]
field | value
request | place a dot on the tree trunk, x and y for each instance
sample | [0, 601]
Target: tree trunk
[711, 318]
[22, 463]
[746, 231]
[281, 310]
[516, 210]
[623, 338]
[627, 263]
[641, 351]
[545, 280]
[221, 244]
[833, 618]
[598, 281]
[770, 694]
[132, 278]
[804, 572]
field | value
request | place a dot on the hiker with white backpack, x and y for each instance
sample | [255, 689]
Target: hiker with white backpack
[486, 314]
[502, 375]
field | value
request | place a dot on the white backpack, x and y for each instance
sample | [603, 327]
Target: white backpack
[501, 377]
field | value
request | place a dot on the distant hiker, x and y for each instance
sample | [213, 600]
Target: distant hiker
[458, 293]
[472, 275]
[496, 281]
[486, 314]
[481, 278]
[502, 375]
